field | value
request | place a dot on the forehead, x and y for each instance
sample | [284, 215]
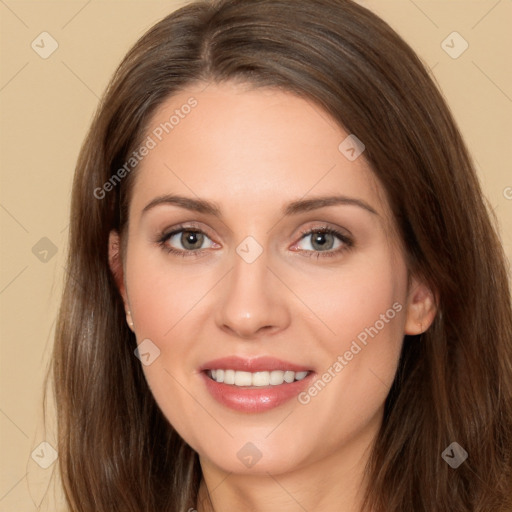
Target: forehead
[231, 142]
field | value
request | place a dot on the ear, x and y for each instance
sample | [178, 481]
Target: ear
[116, 267]
[421, 308]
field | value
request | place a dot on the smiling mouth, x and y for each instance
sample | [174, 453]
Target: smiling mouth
[255, 379]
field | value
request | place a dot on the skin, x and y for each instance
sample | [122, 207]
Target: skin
[267, 148]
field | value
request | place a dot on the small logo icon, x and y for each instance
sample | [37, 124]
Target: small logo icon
[249, 455]
[454, 45]
[454, 455]
[507, 193]
[249, 249]
[44, 45]
[44, 250]
[351, 147]
[147, 352]
[44, 455]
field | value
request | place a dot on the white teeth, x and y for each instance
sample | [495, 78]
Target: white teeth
[243, 379]
[258, 379]
[289, 376]
[276, 377]
[229, 376]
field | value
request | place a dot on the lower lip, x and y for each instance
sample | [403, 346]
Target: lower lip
[254, 399]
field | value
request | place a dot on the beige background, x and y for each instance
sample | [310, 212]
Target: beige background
[46, 106]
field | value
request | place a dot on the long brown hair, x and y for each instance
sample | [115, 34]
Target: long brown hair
[117, 452]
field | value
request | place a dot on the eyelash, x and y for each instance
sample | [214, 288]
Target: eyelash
[347, 242]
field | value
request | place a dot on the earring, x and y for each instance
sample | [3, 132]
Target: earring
[129, 318]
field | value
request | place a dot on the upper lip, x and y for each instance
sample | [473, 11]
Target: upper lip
[255, 364]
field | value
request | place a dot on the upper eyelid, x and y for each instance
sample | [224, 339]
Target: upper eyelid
[184, 227]
[327, 226]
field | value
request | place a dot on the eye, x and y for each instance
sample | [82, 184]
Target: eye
[186, 241]
[323, 240]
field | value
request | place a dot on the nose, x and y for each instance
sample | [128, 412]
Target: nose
[253, 301]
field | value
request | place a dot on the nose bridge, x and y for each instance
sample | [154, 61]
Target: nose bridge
[251, 300]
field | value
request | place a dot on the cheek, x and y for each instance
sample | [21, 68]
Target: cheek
[363, 311]
[167, 309]
[162, 296]
[360, 301]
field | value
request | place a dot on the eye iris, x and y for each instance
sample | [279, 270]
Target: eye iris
[322, 241]
[192, 240]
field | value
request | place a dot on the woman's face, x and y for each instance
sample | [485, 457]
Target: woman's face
[262, 249]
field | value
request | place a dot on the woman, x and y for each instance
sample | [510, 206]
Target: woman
[286, 290]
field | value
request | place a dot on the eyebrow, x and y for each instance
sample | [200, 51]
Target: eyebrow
[189, 203]
[306, 205]
[293, 208]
